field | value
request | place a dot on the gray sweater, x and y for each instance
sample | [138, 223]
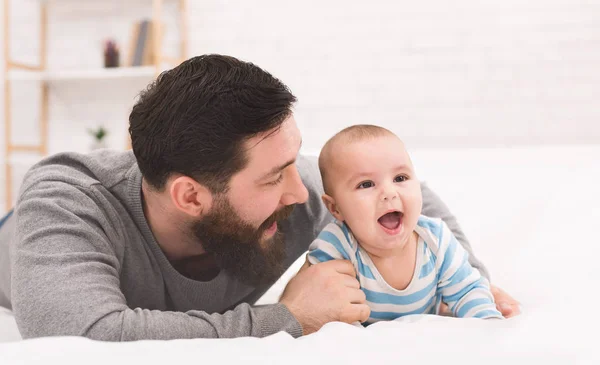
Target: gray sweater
[85, 262]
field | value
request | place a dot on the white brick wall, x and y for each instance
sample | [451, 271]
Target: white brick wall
[439, 73]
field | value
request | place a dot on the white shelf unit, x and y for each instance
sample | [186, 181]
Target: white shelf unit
[15, 71]
[82, 75]
[24, 159]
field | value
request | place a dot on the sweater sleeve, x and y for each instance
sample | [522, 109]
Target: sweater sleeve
[65, 280]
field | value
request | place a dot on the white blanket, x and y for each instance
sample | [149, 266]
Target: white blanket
[531, 215]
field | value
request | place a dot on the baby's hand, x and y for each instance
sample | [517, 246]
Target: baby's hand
[505, 304]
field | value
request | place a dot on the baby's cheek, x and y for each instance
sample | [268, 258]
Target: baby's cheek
[359, 225]
[415, 200]
[417, 204]
[353, 220]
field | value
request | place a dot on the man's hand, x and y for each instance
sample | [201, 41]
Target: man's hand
[324, 293]
[505, 304]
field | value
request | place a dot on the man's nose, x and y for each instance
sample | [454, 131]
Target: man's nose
[296, 192]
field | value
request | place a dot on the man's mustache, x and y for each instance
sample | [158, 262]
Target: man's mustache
[277, 216]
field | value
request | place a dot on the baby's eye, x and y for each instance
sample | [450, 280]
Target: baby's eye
[400, 178]
[365, 185]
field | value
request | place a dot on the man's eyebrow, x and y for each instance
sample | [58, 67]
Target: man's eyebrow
[277, 169]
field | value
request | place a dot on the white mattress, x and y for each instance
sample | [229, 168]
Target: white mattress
[531, 214]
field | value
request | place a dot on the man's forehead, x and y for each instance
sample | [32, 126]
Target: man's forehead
[280, 136]
[276, 146]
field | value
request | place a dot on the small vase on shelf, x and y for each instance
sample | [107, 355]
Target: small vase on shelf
[111, 54]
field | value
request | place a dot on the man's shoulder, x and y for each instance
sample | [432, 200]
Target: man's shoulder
[103, 167]
[76, 194]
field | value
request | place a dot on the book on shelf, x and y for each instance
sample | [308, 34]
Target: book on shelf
[141, 52]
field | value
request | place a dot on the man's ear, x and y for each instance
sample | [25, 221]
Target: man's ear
[332, 207]
[190, 197]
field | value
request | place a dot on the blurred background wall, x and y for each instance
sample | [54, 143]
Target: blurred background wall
[467, 73]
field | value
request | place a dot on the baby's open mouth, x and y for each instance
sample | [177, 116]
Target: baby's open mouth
[391, 220]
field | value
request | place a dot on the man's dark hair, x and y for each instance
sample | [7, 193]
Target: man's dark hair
[195, 118]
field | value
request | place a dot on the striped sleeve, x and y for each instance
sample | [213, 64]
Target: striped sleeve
[333, 243]
[462, 287]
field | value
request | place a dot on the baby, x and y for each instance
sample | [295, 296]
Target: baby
[406, 263]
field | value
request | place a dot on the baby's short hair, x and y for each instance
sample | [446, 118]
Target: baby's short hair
[355, 133]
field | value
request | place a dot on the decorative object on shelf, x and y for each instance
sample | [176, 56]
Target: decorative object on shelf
[99, 135]
[141, 50]
[111, 54]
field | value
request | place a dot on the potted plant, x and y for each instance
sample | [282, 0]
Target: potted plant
[99, 135]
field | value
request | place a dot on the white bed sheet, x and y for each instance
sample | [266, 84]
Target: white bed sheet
[8, 327]
[531, 215]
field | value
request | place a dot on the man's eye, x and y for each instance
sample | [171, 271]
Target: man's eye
[276, 182]
[400, 178]
[365, 185]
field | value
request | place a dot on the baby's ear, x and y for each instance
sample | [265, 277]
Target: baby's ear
[332, 207]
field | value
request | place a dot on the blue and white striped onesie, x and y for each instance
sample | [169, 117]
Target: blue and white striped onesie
[442, 273]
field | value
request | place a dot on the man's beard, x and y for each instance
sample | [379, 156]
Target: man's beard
[239, 248]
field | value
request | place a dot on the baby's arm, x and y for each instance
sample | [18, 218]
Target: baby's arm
[331, 244]
[463, 288]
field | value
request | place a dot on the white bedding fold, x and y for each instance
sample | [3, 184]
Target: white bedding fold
[532, 217]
